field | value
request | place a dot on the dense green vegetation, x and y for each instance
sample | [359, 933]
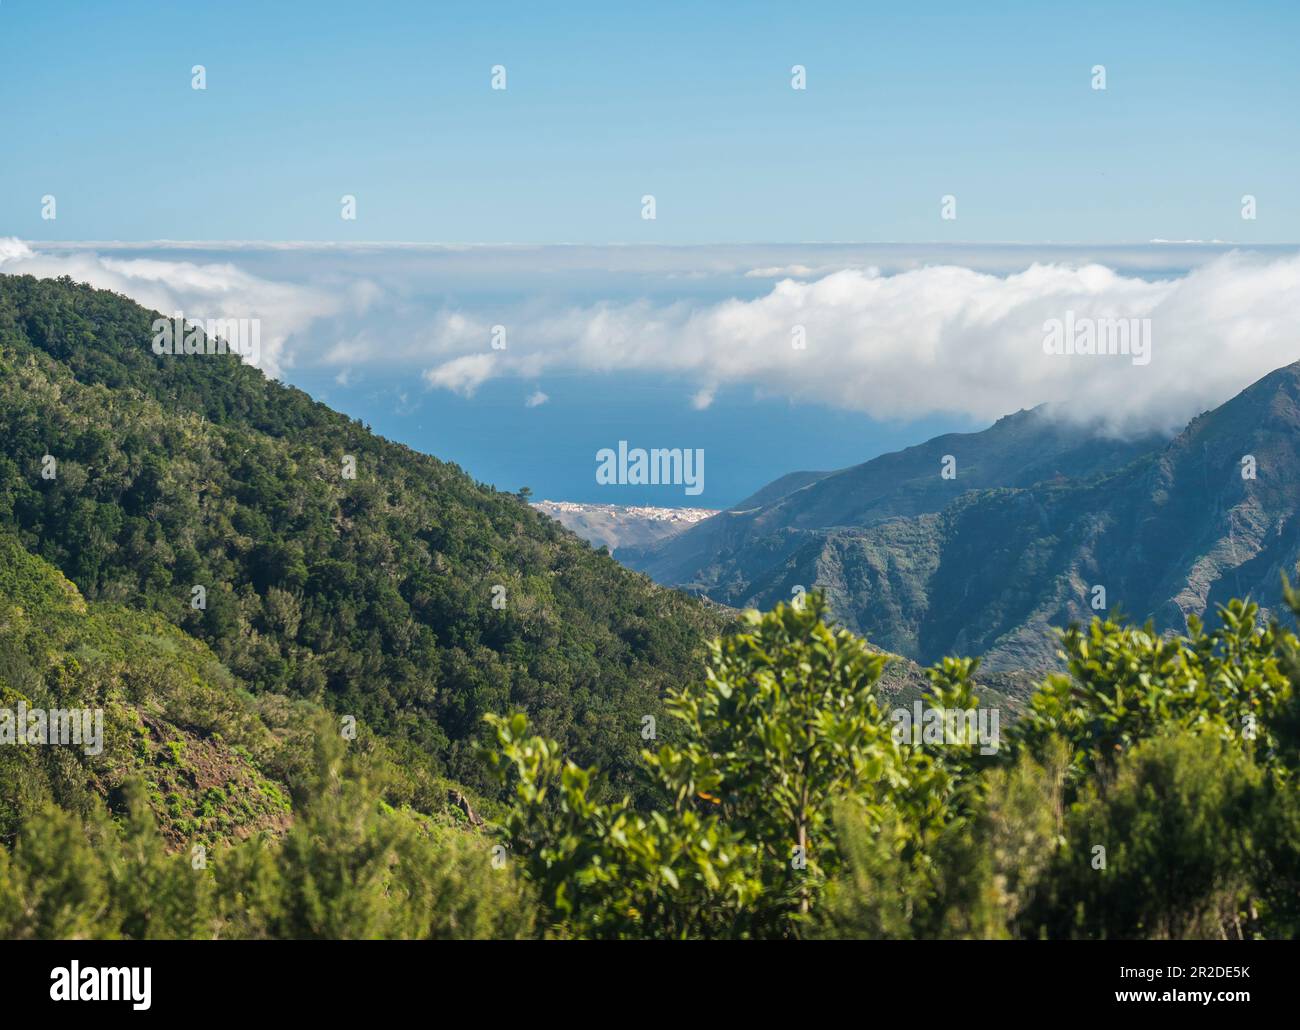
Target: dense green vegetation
[372, 596]
[1150, 792]
[213, 760]
[348, 867]
[173, 717]
[501, 780]
[208, 811]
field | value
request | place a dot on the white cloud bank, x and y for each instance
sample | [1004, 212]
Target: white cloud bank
[907, 342]
[939, 339]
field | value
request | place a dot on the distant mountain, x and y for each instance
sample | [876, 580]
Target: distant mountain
[617, 525]
[722, 556]
[779, 488]
[1041, 512]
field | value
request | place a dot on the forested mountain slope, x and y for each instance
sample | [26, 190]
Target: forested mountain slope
[372, 595]
[172, 716]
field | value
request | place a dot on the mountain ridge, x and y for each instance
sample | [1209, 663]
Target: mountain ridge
[1041, 513]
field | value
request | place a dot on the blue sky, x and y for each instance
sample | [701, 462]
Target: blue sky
[390, 102]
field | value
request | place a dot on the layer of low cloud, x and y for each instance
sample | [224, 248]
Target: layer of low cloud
[940, 339]
[904, 338]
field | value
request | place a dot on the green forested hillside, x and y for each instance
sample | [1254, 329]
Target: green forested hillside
[372, 595]
[215, 762]
[206, 811]
[173, 717]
